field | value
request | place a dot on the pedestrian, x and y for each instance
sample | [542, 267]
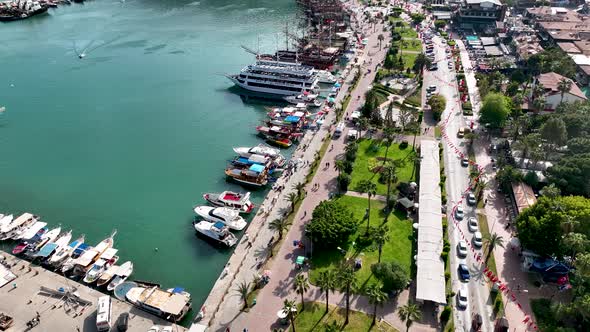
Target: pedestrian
[14, 285]
[249, 244]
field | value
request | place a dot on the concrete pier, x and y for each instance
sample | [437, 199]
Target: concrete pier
[24, 301]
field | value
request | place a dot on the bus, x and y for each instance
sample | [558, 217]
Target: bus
[103, 313]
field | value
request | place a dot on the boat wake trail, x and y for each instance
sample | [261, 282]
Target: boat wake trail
[89, 48]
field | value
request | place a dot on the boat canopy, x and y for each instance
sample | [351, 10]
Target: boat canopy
[256, 158]
[87, 257]
[257, 168]
[299, 114]
[177, 290]
[47, 250]
[300, 105]
[292, 119]
[109, 253]
[219, 225]
[81, 249]
[174, 304]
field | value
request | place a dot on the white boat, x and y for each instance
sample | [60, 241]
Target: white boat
[66, 251]
[121, 275]
[46, 238]
[87, 259]
[107, 275]
[5, 220]
[276, 78]
[230, 199]
[11, 228]
[50, 247]
[31, 231]
[261, 149]
[227, 216]
[216, 231]
[304, 98]
[325, 76]
[106, 260]
[171, 306]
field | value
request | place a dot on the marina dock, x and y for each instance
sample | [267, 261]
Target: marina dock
[22, 299]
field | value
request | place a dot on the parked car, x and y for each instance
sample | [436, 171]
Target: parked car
[431, 88]
[459, 214]
[462, 301]
[123, 322]
[464, 272]
[471, 199]
[450, 65]
[462, 249]
[433, 67]
[477, 240]
[464, 162]
[472, 225]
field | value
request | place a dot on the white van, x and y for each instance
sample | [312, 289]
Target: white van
[103, 313]
[339, 129]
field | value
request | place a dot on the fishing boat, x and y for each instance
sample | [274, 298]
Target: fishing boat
[260, 149]
[83, 263]
[13, 227]
[170, 305]
[304, 98]
[106, 260]
[255, 175]
[70, 262]
[31, 231]
[216, 231]
[49, 248]
[282, 142]
[5, 220]
[229, 217]
[232, 200]
[64, 252]
[124, 271]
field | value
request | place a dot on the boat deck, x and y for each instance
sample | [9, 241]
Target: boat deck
[56, 314]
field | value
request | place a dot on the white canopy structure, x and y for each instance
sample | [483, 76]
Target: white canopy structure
[430, 283]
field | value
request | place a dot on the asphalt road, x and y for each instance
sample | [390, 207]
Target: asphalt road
[456, 184]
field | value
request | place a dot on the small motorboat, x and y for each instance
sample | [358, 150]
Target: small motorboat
[231, 199]
[107, 275]
[100, 267]
[121, 275]
[227, 216]
[217, 231]
[20, 248]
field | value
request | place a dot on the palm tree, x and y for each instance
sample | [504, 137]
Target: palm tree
[244, 290]
[339, 165]
[380, 37]
[569, 224]
[363, 125]
[381, 237]
[279, 225]
[564, 85]
[301, 286]
[299, 187]
[491, 241]
[292, 198]
[368, 187]
[290, 307]
[389, 173]
[389, 117]
[480, 186]
[539, 104]
[327, 283]
[347, 281]
[376, 297]
[415, 159]
[409, 313]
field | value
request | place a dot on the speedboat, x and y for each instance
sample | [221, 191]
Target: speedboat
[64, 252]
[216, 231]
[5, 220]
[261, 149]
[227, 216]
[121, 275]
[49, 248]
[31, 231]
[231, 199]
[16, 226]
[101, 265]
[21, 247]
[302, 98]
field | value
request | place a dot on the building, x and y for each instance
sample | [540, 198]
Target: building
[552, 95]
[480, 14]
[523, 195]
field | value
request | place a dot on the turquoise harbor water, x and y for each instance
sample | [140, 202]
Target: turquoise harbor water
[129, 137]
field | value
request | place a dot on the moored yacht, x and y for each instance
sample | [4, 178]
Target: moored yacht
[64, 252]
[31, 231]
[170, 305]
[276, 78]
[121, 275]
[230, 199]
[262, 150]
[16, 226]
[217, 231]
[227, 216]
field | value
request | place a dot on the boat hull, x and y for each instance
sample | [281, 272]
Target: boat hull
[266, 91]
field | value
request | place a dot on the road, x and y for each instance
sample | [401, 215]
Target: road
[456, 184]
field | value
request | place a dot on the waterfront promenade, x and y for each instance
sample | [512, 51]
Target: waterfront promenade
[24, 301]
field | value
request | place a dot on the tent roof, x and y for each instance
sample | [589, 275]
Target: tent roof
[405, 202]
[430, 282]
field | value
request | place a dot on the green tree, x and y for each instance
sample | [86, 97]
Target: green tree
[575, 243]
[492, 241]
[377, 298]
[292, 198]
[301, 287]
[551, 191]
[563, 86]
[439, 24]
[389, 175]
[420, 62]
[279, 225]
[290, 308]
[369, 188]
[332, 223]
[394, 276]
[571, 174]
[381, 237]
[347, 282]
[244, 290]
[417, 18]
[539, 104]
[327, 283]
[578, 145]
[300, 186]
[495, 110]
[437, 104]
[554, 131]
[363, 125]
[409, 313]
[339, 165]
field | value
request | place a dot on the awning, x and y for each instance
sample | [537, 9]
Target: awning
[257, 168]
[175, 304]
[405, 202]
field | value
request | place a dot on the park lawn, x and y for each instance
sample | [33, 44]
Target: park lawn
[315, 318]
[406, 31]
[398, 248]
[410, 45]
[366, 160]
[409, 59]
